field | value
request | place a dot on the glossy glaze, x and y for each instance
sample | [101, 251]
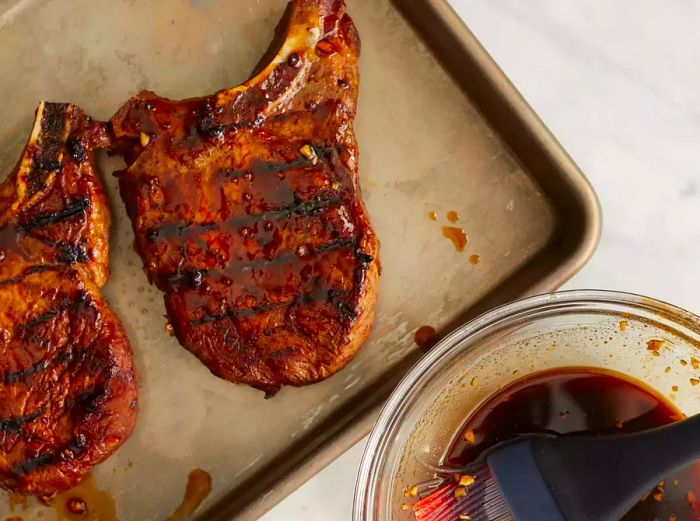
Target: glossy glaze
[67, 382]
[247, 212]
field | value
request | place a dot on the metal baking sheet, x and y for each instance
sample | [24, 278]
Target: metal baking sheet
[440, 128]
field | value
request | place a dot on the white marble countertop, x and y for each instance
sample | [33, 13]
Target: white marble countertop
[618, 84]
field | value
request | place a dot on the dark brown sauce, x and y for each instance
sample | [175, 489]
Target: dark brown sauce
[580, 401]
[457, 235]
[452, 216]
[424, 338]
[199, 485]
[84, 502]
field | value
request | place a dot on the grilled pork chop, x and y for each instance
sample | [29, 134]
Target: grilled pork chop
[67, 382]
[247, 212]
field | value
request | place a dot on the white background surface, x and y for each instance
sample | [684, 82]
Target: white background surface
[618, 82]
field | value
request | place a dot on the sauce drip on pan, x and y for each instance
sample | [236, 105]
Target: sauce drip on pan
[452, 216]
[581, 401]
[424, 338]
[457, 235]
[199, 486]
[84, 503]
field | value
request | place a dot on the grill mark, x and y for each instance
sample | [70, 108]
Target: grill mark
[245, 312]
[304, 208]
[332, 297]
[314, 296]
[23, 374]
[266, 167]
[49, 314]
[195, 277]
[15, 423]
[32, 464]
[26, 273]
[46, 218]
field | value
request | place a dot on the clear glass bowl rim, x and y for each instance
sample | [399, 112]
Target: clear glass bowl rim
[432, 363]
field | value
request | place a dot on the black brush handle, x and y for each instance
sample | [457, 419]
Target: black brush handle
[602, 478]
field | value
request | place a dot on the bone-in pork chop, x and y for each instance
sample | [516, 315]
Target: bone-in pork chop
[247, 212]
[67, 382]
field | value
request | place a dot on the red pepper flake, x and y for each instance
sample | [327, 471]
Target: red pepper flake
[655, 345]
[325, 48]
[77, 506]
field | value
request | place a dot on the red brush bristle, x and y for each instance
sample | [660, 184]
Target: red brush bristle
[439, 500]
[695, 506]
[479, 501]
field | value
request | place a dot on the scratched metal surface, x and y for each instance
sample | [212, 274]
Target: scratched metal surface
[424, 147]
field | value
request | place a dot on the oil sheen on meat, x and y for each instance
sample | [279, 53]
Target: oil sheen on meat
[247, 211]
[67, 381]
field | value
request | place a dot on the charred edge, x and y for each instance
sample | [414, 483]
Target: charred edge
[74, 448]
[30, 465]
[39, 367]
[195, 277]
[70, 253]
[364, 258]
[26, 273]
[15, 423]
[47, 218]
[76, 149]
[302, 208]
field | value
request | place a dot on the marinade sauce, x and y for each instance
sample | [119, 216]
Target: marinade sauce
[582, 401]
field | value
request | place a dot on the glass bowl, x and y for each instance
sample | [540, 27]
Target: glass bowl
[597, 329]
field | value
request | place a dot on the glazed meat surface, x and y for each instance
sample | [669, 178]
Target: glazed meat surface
[67, 382]
[247, 212]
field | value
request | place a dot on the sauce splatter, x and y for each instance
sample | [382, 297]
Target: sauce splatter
[452, 216]
[199, 485]
[457, 235]
[16, 500]
[424, 338]
[14, 519]
[654, 346]
[474, 260]
[84, 502]
[432, 216]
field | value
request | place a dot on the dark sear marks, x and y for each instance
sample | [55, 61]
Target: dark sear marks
[247, 211]
[67, 382]
[41, 220]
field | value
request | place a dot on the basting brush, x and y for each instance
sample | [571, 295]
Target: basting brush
[572, 478]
